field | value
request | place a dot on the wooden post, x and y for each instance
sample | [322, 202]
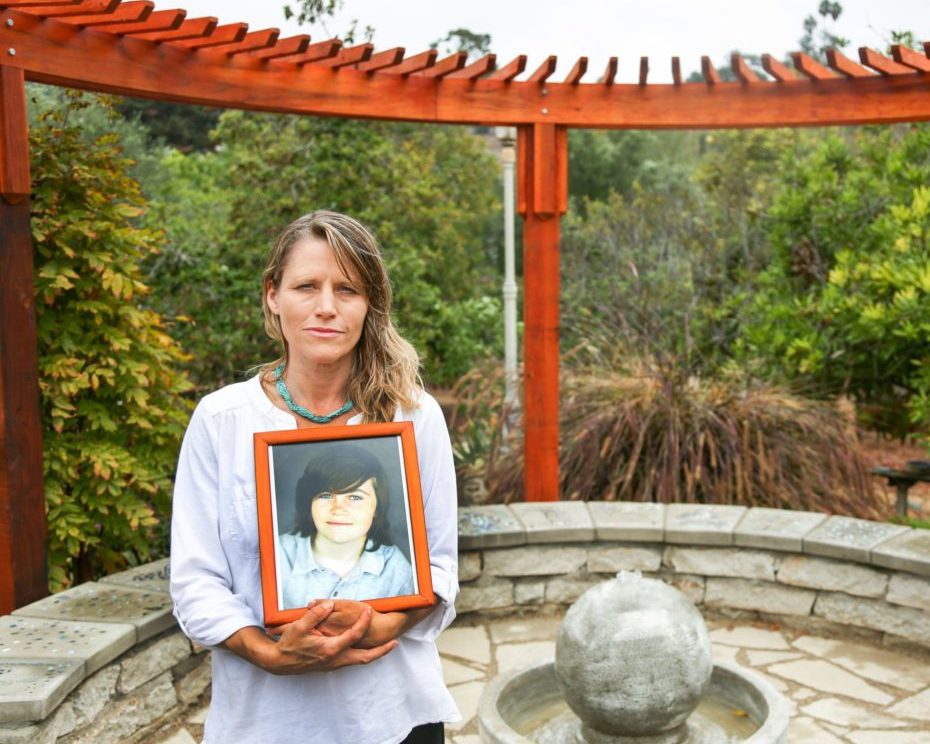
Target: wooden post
[542, 157]
[23, 576]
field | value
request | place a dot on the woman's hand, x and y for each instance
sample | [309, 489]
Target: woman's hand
[384, 627]
[303, 647]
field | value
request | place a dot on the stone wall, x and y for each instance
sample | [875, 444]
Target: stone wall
[104, 662]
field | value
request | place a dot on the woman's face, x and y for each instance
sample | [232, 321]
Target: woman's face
[321, 308]
[345, 516]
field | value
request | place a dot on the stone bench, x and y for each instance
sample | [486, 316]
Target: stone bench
[104, 661]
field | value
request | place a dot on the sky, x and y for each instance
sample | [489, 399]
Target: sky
[598, 29]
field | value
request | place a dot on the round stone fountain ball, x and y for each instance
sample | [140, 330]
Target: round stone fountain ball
[633, 657]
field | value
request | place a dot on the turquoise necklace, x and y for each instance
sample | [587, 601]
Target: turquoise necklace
[299, 409]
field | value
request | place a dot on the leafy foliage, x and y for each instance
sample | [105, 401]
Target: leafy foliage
[111, 396]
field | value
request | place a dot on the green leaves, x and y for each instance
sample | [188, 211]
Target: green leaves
[109, 385]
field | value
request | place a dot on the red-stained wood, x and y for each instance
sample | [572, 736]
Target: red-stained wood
[387, 58]
[542, 166]
[315, 52]
[845, 66]
[810, 67]
[250, 42]
[192, 28]
[228, 34]
[610, 74]
[907, 56]
[23, 576]
[416, 63]
[445, 66]
[781, 72]
[709, 72]
[37, 3]
[577, 72]
[475, 70]
[509, 71]
[742, 70]
[676, 71]
[643, 70]
[881, 63]
[85, 7]
[292, 46]
[129, 12]
[544, 71]
[160, 20]
[349, 56]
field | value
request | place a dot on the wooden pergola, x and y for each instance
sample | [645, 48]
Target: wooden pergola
[133, 49]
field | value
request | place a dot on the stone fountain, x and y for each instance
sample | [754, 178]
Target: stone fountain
[632, 666]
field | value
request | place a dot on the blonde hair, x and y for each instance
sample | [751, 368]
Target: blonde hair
[385, 373]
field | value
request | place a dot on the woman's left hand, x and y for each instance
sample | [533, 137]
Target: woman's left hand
[385, 626]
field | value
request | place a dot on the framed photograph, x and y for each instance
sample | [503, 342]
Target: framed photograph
[340, 516]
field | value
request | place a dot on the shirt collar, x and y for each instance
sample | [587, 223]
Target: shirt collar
[370, 561]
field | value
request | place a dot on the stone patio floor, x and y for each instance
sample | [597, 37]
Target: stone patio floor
[840, 690]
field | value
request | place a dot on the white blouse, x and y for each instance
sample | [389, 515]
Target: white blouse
[216, 587]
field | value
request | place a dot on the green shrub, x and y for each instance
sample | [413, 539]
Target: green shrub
[111, 400]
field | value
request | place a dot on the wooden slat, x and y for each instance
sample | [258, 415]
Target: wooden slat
[416, 63]
[38, 3]
[128, 12]
[251, 42]
[907, 56]
[160, 20]
[445, 66]
[85, 7]
[844, 65]
[742, 70]
[193, 28]
[610, 74]
[14, 139]
[292, 46]
[811, 68]
[475, 70]
[881, 63]
[676, 70]
[544, 71]
[782, 73]
[643, 70]
[577, 72]
[509, 71]
[321, 50]
[228, 34]
[387, 58]
[711, 76]
[349, 56]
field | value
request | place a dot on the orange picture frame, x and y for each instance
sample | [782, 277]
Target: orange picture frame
[288, 464]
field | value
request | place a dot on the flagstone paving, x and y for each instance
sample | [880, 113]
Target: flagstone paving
[841, 691]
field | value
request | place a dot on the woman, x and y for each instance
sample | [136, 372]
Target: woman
[342, 672]
[341, 542]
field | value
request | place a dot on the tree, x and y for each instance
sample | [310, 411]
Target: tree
[818, 36]
[110, 391]
[463, 40]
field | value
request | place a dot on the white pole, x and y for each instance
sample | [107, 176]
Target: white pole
[508, 136]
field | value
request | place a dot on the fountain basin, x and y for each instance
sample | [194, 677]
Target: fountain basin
[525, 706]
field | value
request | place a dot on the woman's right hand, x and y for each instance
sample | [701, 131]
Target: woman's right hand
[301, 648]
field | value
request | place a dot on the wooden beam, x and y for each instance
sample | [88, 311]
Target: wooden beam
[349, 56]
[711, 76]
[810, 67]
[292, 46]
[907, 56]
[128, 12]
[85, 7]
[160, 20]
[509, 71]
[544, 71]
[742, 70]
[577, 72]
[782, 73]
[38, 3]
[610, 74]
[23, 577]
[643, 70]
[230, 33]
[475, 70]
[315, 52]
[192, 28]
[416, 63]
[881, 63]
[387, 58]
[445, 66]
[845, 66]
[542, 166]
[676, 71]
